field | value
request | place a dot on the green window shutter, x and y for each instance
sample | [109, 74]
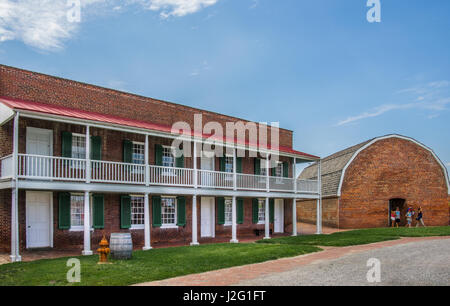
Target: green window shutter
[156, 211]
[286, 169]
[221, 211]
[125, 211]
[273, 171]
[66, 144]
[64, 210]
[98, 210]
[179, 162]
[240, 211]
[222, 164]
[158, 154]
[257, 164]
[239, 164]
[127, 151]
[181, 211]
[271, 210]
[96, 148]
[255, 204]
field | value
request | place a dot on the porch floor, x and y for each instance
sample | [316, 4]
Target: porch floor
[31, 255]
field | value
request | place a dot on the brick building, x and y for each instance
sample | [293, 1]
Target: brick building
[362, 183]
[78, 161]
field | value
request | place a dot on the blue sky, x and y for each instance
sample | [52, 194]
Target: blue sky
[317, 66]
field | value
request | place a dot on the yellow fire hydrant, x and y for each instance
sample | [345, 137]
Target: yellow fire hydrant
[103, 251]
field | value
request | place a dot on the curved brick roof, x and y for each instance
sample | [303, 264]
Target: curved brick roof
[334, 166]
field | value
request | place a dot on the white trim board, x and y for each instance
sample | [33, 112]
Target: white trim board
[341, 181]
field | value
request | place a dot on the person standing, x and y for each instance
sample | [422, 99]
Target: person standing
[392, 218]
[397, 217]
[409, 215]
[420, 217]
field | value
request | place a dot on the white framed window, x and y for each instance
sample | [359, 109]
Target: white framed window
[261, 211]
[78, 146]
[138, 156]
[279, 169]
[228, 211]
[229, 164]
[77, 212]
[168, 158]
[137, 212]
[168, 212]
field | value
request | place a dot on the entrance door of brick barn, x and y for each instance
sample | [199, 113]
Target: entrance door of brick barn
[400, 203]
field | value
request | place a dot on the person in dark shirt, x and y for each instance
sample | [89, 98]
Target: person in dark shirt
[420, 217]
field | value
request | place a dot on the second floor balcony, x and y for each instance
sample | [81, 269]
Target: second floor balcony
[52, 168]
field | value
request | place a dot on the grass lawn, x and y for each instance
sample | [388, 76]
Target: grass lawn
[362, 236]
[147, 266]
[166, 263]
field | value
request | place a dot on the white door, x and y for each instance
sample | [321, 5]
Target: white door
[207, 217]
[38, 219]
[39, 142]
[207, 178]
[279, 216]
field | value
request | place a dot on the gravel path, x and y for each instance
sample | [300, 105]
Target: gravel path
[423, 263]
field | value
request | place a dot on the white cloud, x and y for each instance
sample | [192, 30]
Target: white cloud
[433, 96]
[44, 24]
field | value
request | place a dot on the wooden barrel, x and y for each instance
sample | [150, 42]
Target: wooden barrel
[121, 246]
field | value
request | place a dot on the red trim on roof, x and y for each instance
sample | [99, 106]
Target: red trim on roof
[85, 115]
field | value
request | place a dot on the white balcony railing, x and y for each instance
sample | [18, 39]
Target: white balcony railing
[215, 179]
[51, 168]
[70, 169]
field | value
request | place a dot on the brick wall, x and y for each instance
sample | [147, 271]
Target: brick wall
[307, 211]
[388, 169]
[27, 85]
[5, 220]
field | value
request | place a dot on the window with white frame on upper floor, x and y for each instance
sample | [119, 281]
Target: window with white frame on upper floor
[228, 211]
[138, 156]
[168, 158]
[261, 211]
[77, 212]
[168, 211]
[229, 164]
[79, 146]
[279, 169]
[137, 212]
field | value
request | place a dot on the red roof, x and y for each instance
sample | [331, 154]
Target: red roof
[98, 117]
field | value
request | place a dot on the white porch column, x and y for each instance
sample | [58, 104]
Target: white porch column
[147, 164]
[15, 256]
[234, 222]
[267, 219]
[87, 225]
[147, 245]
[319, 199]
[194, 221]
[294, 217]
[88, 155]
[234, 170]
[294, 200]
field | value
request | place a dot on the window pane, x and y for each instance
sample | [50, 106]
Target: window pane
[168, 210]
[137, 210]
[77, 210]
[168, 159]
[261, 210]
[79, 146]
[228, 211]
[228, 164]
[138, 153]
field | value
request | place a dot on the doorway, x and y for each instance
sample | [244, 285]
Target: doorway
[279, 216]
[39, 213]
[393, 204]
[207, 217]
